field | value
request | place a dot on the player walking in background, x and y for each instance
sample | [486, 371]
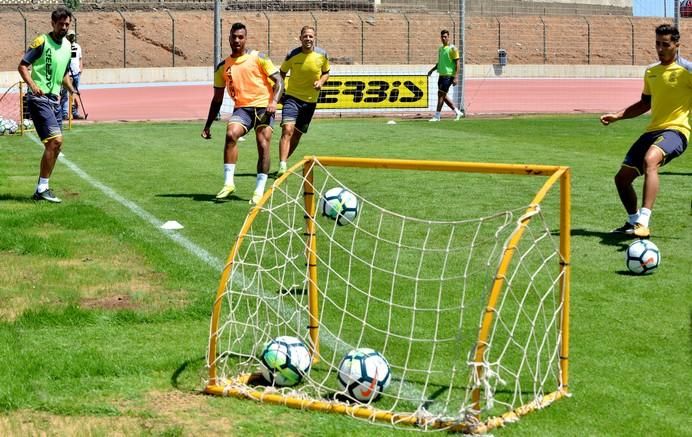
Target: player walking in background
[49, 57]
[447, 67]
[668, 94]
[247, 75]
[76, 67]
[309, 68]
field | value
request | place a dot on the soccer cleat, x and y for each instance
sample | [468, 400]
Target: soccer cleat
[460, 114]
[77, 117]
[47, 195]
[225, 192]
[282, 170]
[256, 197]
[641, 231]
[434, 119]
[626, 229]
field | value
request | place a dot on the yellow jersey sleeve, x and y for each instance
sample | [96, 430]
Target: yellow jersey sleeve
[266, 64]
[219, 76]
[454, 53]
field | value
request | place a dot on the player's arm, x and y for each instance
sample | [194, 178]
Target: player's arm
[321, 81]
[32, 54]
[278, 91]
[214, 108]
[634, 110]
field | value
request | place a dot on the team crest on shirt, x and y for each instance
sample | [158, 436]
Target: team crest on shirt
[672, 78]
[37, 42]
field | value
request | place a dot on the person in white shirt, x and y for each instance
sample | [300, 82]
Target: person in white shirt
[76, 67]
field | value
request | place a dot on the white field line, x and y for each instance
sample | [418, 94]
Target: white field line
[326, 337]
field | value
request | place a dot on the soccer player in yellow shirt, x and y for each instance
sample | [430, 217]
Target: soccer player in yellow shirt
[255, 85]
[309, 68]
[668, 94]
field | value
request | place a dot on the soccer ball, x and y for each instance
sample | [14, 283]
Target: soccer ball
[339, 204]
[642, 257]
[364, 374]
[2, 128]
[11, 126]
[285, 360]
[27, 124]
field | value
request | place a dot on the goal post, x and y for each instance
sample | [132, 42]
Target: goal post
[408, 287]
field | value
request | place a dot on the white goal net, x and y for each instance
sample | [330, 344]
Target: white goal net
[469, 311]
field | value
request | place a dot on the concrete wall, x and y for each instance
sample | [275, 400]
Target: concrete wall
[99, 77]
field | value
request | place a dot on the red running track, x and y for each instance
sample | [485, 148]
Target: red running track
[483, 96]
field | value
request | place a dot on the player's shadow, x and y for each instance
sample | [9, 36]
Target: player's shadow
[204, 197]
[607, 238]
[23, 199]
[674, 173]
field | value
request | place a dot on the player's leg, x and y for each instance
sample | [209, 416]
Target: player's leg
[667, 146]
[289, 114]
[64, 103]
[263, 132]
[46, 112]
[236, 128]
[287, 131]
[75, 107]
[632, 167]
[305, 114]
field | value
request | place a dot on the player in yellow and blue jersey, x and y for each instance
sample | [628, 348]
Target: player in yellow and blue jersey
[309, 68]
[668, 94]
[255, 85]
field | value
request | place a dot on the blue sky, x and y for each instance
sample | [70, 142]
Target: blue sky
[653, 8]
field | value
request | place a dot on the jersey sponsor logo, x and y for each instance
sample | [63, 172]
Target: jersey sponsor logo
[374, 91]
[49, 65]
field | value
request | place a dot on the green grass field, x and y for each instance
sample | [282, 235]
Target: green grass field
[104, 317]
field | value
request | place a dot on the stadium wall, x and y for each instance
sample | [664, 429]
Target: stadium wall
[350, 38]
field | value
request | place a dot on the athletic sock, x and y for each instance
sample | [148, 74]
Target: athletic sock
[228, 172]
[632, 218]
[644, 216]
[282, 164]
[437, 115]
[457, 111]
[42, 185]
[261, 182]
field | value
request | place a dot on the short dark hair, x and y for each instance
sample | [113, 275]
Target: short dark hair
[238, 26]
[444, 32]
[307, 28]
[669, 29]
[60, 13]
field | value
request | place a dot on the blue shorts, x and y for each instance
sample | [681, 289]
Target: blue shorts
[47, 116]
[444, 83]
[297, 112]
[252, 117]
[671, 142]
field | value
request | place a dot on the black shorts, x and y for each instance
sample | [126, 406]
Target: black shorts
[297, 112]
[671, 142]
[47, 115]
[444, 83]
[252, 117]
